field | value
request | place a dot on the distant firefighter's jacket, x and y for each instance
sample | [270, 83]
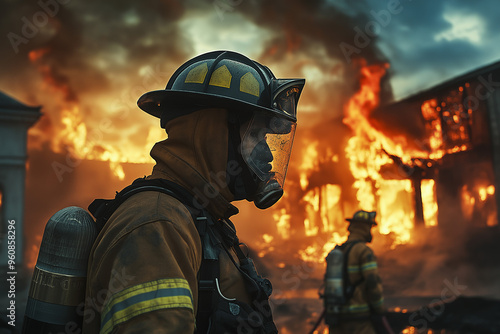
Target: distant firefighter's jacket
[142, 274]
[362, 266]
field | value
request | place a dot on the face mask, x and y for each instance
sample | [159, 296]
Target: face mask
[268, 194]
[246, 185]
[265, 148]
[265, 143]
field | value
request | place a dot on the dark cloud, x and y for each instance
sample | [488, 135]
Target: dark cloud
[300, 24]
[420, 56]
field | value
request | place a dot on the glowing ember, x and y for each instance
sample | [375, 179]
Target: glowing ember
[431, 115]
[484, 192]
[34, 55]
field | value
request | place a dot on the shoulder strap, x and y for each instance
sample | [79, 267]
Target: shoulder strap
[102, 209]
[348, 287]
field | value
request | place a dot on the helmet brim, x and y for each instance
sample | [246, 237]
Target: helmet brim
[158, 101]
[350, 220]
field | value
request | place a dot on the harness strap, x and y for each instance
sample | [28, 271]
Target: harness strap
[348, 287]
[102, 209]
[208, 272]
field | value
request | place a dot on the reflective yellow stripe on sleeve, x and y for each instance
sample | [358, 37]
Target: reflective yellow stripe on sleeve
[353, 269]
[369, 266]
[358, 308]
[143, 298]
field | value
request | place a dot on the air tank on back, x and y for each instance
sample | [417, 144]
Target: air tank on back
[57, 292]
[334, 286]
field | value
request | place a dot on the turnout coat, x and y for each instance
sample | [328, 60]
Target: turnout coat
[143, 267]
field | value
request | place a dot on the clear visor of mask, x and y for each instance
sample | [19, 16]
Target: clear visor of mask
[266, 146]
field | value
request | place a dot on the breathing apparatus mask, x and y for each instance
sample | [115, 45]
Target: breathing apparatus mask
[265, 144]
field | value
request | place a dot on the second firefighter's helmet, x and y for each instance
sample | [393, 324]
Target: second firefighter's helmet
[227, 80]
[363, 217]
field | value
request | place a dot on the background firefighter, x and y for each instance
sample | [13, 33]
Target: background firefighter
[230, 126]
[362, 284]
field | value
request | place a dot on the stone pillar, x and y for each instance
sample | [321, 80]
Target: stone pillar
[494, 118]
[15, 120]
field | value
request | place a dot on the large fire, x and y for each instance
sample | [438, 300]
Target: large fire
[365, 154]
[369, 152]
[72, 133]
[84, 144]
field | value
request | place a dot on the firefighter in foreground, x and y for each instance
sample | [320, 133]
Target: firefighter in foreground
[172, 264]
[353, 289]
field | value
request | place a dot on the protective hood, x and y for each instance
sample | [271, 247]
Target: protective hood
[360, 231]
[195, 156]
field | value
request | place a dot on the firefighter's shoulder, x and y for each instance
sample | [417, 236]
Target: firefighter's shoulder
[364, 252]
[148, 207]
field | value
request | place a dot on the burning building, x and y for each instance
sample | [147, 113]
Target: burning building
[456, 125]
[427, 160]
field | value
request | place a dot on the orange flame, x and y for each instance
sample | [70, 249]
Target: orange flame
[324, 212]
[34, 55]
[365, 151]
[429, 202]
[72, 133]
[282, 220]
[474, 200]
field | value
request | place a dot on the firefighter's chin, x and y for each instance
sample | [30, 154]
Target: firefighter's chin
[267, 194]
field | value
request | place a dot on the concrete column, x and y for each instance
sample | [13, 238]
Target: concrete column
[493, 104]
[15, 120]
